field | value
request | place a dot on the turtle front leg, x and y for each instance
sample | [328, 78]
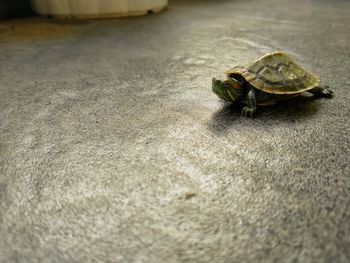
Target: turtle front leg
[322, 92]
[250, 109]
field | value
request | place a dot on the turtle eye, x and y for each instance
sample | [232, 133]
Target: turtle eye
[227, 84]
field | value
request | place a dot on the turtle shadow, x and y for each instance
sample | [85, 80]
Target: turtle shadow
[290, 111]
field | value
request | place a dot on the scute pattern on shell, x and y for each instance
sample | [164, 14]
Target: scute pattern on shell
[276, 73]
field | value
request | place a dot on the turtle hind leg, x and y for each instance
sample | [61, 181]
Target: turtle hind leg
[322, 91]
[250, 109]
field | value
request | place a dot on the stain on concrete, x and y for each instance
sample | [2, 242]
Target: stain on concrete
[38, 29]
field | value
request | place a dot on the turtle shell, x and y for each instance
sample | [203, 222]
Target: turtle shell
[276, 73]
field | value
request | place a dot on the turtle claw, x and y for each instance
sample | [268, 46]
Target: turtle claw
[323, 91]
[326, 92]
[248, 112]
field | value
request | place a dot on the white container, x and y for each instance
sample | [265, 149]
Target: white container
[97, 8]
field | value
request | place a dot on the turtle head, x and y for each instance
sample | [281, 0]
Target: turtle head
[228, 88]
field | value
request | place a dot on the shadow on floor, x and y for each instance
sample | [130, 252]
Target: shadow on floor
[288, 112]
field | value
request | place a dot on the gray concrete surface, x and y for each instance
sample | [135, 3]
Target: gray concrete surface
[114, 149]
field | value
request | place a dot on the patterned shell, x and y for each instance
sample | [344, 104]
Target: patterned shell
[276, 73]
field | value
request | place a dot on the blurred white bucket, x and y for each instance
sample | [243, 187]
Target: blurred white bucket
[97, 8]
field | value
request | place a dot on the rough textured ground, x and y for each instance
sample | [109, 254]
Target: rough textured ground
[113, 147]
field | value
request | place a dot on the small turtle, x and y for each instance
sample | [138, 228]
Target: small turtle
[273, 78]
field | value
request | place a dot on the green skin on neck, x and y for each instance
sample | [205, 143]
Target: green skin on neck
[228, 89]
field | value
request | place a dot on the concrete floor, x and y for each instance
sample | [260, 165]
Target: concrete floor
[114, 149]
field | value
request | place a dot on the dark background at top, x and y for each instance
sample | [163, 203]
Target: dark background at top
[14, 8]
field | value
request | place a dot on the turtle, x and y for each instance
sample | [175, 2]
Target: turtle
[269, 80]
